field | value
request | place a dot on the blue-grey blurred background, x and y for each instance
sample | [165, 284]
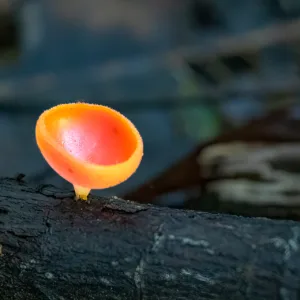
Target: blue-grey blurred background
[182, 71]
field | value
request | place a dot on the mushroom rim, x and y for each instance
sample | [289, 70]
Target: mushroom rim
[42, 129]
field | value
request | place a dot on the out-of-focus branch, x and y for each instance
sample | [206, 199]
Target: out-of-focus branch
[187, 173]
[275, 34]
[284, 33]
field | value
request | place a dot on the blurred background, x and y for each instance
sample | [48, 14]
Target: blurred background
[212, 85]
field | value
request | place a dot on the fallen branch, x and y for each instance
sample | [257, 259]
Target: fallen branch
[55, 248]
[253, 173]
[273, 128]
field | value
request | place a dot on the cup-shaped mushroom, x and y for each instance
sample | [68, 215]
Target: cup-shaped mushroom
[91, 146]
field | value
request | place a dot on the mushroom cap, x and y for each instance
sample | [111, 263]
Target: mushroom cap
[89, 145]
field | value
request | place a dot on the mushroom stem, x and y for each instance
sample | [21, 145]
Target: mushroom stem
[81, 193]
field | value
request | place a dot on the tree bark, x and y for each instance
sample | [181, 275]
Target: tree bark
[53, 247]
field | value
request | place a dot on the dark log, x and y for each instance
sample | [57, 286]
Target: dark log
[53, 247]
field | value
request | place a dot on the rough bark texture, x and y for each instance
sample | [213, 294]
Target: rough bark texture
[55, 248]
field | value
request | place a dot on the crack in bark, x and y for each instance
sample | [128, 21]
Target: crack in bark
[158, 238]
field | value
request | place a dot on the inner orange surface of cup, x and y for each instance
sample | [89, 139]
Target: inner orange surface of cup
[89, 145]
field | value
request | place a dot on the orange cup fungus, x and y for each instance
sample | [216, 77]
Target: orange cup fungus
[91, 146]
